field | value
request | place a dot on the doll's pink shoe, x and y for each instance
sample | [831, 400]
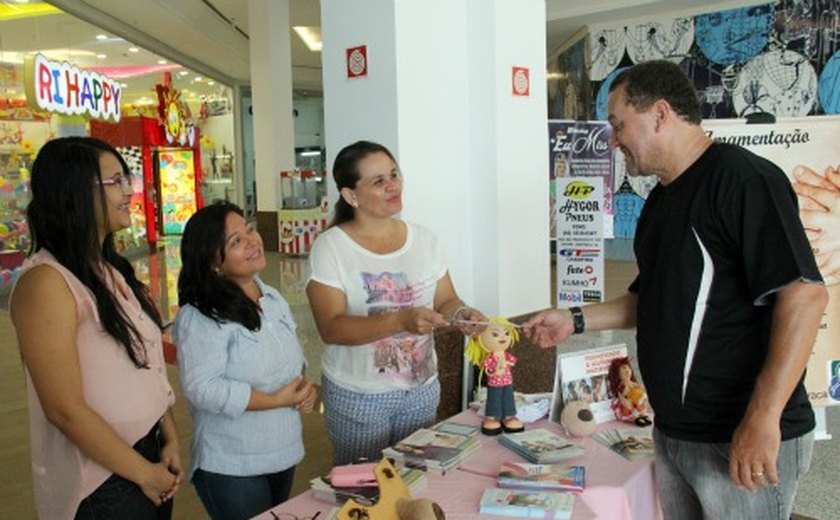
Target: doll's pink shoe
[491, 427]
[512, 425]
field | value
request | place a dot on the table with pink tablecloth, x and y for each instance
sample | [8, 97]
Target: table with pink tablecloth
[616, 489]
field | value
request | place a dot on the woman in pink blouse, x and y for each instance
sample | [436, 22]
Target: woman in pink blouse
[103, 438]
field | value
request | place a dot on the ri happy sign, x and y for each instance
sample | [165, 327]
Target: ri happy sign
[64, 88]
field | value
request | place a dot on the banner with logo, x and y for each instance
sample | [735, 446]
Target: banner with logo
[580, 241]
[582, 149]
[811, 142]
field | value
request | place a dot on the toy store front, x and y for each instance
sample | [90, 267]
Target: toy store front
[62, 100]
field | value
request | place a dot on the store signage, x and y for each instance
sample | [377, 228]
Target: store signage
[357, 63]
[520, 81]
[580, 240]
[66, 89]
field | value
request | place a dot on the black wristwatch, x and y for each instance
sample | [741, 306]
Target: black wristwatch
[577, 319]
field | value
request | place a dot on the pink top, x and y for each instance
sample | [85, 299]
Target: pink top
[129, 399]
[490, 366]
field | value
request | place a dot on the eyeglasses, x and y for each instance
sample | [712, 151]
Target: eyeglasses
[123, 182]
[290, 516]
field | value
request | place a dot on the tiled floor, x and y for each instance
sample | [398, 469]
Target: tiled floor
[817, 497]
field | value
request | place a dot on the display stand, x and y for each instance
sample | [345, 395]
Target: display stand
[821, 430]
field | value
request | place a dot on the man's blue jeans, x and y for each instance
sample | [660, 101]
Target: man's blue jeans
[228, 497]
[693, 480]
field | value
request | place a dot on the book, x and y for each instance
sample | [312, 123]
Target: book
[322, 488]
[631, 444]
[540, 446]
[455, 428]
[545, 477]
[583, 376]
[433, 449]
[526, 504]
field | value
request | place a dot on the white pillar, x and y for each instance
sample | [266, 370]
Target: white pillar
[475, 157]
[271, 90]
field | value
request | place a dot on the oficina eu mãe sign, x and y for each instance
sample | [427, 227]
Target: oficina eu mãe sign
[64, 88]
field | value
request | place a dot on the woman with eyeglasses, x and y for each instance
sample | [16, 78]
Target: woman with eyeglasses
[379, 287]
[241, 368]
[103, 437]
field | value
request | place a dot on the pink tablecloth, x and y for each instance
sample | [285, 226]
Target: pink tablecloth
[458, 493]
[615, 488]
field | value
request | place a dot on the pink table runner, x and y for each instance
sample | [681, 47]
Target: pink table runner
[616, 489]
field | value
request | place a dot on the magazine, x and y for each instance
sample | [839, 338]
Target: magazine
[540, 446]
[527, 504]
[583, 376]
[631, 444]
[545, 477]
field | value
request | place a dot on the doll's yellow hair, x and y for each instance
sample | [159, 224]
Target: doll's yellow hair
[476, 352]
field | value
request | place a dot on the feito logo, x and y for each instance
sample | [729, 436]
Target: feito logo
[578, 190]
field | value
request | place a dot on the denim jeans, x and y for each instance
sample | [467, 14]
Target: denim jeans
[118, 498]
[228, 497]
[500, 402]
[693, 480]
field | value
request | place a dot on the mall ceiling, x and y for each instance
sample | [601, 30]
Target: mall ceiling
[209, 38]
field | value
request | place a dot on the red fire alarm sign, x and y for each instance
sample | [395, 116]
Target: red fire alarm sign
[357, 64]
[520, 81]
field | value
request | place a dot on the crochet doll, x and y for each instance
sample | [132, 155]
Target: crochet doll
[488, 351]
[630, 401]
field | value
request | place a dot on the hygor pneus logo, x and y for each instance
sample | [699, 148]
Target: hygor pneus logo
[578, 190]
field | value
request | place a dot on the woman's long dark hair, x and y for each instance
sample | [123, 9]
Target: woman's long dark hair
[346, 174]
[199, 283]
[62, 220]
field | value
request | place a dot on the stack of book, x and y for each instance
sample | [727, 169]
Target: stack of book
[322, 489]
[528, 504]
[630, 444]
[542, 477]
[437, 449]
[540, 446]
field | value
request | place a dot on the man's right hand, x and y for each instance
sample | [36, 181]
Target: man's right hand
[549, 327]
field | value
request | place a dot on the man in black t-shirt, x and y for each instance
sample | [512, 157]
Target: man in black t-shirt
[727, 304]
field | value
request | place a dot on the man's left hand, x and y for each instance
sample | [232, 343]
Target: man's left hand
[753, 453]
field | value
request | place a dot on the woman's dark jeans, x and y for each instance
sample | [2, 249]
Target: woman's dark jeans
[118, 498]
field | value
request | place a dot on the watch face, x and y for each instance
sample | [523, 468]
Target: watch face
[577, 319]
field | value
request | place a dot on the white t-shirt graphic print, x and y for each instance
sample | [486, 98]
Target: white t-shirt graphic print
[377, 284]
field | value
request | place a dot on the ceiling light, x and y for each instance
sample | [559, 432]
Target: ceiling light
[211, 82]
[183, 73]
[311, 36]
[310, 153]
[133, 49]
[162, 62]
[199, 79]
[101, 37]
[101, 56]
[124, 85]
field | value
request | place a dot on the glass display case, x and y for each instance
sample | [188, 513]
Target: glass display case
[217, 182]
[15, 165]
